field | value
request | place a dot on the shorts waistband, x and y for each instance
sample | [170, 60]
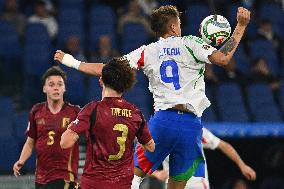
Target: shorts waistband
[180, 111]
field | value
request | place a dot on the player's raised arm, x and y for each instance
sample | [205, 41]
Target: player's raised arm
[226, 52]
[88, 68]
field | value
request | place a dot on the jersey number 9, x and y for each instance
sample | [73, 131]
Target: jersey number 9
[174, 78]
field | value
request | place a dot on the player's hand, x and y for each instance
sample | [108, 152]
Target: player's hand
[58, 56]
[248, 172]
[161, 174]
[66, 59]
[16, 168]
[243, 16]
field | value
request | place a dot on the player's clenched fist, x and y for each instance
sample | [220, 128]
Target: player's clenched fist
[66, 59]
[58, 56]
[248, 172]
[243, 16]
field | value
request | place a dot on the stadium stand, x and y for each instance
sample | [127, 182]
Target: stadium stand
[265, 49]
[262, 103]
[194, 14]
[102, 22]
[68, 18]
[133, 36]
[231, 109]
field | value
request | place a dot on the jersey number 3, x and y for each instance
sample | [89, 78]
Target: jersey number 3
[174, 78]
[120, 140]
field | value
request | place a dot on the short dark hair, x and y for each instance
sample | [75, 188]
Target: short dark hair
[54, 71]
[161, 17]
[118, 75]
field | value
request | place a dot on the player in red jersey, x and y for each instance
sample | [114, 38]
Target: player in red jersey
[111, 126]
[55, 167]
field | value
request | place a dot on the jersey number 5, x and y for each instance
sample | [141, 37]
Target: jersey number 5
[174, 78]
[120, 140]
[51, 135]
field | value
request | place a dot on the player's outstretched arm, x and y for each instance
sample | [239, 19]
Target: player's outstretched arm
[87, 68]
[25, 154]
[68, 139]
[225, 53]
[231, 153]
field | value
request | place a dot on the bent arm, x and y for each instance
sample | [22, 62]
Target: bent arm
[222, 56]
[225, 53]
[231, 153]
[68, 139]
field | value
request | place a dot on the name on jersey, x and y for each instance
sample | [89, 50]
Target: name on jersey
[121, 112]
[170, 51]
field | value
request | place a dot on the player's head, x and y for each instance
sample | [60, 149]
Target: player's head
[118, 75]
[54, 83]
[165, 21]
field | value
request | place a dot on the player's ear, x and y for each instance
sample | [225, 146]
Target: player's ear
[43, 89]
[172, 27]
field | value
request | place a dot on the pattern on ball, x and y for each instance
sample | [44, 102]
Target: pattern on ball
[215, 30]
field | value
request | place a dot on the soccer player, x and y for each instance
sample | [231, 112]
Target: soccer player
[175, 68]
[111, 126]
[210, 141]
[55, 167]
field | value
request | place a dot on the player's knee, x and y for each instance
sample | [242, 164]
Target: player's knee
[138, 172]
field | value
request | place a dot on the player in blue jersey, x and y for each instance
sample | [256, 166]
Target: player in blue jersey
[175, 67]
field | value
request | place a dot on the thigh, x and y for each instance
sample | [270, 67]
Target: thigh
[165, 140]
[172, 184]
[187, 160]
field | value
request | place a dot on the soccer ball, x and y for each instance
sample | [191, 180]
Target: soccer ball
[215, 30]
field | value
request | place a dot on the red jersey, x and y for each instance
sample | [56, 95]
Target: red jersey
[109, 160]
[46, 129]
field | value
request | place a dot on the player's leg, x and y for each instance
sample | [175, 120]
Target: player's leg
[187, 160]
[138, 178]
[172, 184]
[165, 138]
[197, 183]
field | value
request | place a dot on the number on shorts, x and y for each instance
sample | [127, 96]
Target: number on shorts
[175, 76]
[120, 140]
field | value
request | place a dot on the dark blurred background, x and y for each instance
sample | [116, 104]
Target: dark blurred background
[247, 95]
